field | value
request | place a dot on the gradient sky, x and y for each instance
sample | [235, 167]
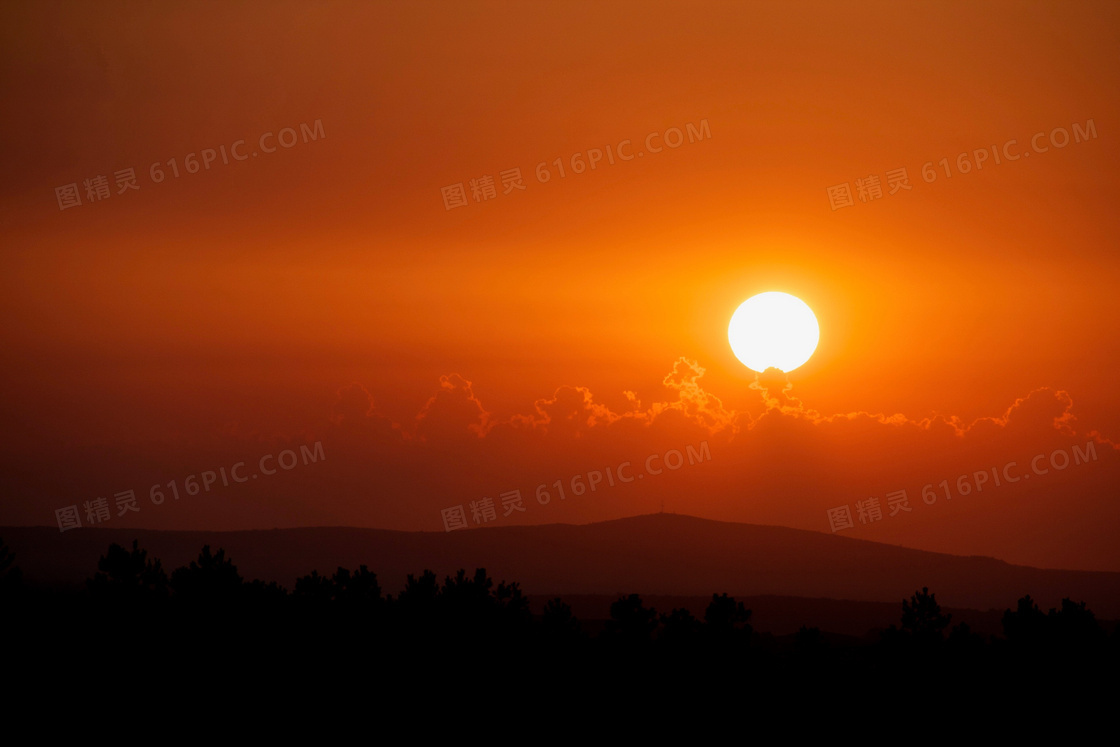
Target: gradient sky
[323, 292]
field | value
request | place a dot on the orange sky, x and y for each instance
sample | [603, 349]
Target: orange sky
[199, 320]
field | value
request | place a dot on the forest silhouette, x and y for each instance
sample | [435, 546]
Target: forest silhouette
[204, 620]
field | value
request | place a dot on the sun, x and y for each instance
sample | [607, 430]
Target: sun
[773, 330]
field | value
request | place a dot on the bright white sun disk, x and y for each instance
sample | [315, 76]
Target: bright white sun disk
[773, 330]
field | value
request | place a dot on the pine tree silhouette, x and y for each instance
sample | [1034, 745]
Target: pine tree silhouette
[211, 579]
[128, 576]
[558, 622]
[631, 623]
[922, 619]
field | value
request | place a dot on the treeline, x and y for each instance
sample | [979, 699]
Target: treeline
[133, 610]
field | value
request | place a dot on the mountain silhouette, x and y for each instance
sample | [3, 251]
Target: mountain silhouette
[656, 554]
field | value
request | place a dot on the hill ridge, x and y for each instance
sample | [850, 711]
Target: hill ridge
[658, 553]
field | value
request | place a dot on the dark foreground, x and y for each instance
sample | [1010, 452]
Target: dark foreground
[202, 634]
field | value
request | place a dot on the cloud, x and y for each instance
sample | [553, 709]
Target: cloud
[1042, 411]
[570, 413]
[353, 403]
[783, 463]
[775, 387]
[452, 413]
[355, 415]
[1043, 408]
[693, 402]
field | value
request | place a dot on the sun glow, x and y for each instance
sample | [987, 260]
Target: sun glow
[773, 330]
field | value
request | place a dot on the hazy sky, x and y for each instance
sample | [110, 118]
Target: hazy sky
[215, 316]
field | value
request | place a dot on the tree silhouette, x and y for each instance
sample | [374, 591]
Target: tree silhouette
[466, 596]
[314, 589]
[357, 591]
[964, 643]
[415, 606]
[261, 596]
[558, 622]
[1026, 625]
[922, 619]
[513, 606]
[727, 620]
[125, 575]
[419, 591]
[679, 628]
[630, 622]
[1057, 638]
[211, 579]
[468, 623]
[478, 609]
[1075, 626]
